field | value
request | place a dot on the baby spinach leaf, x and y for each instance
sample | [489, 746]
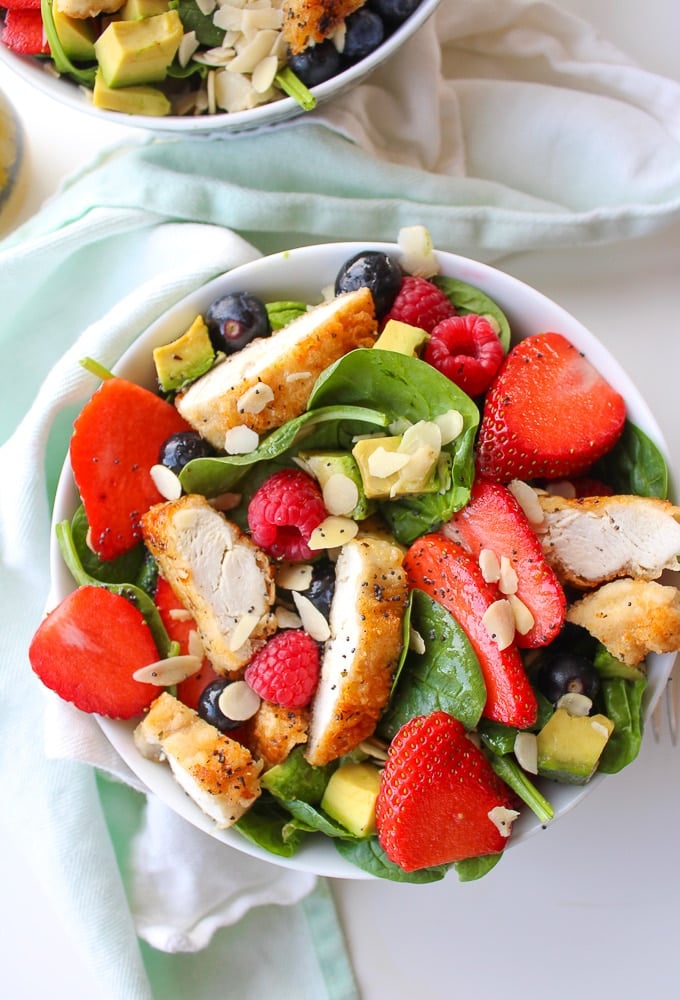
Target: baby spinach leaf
[368, 855]
[474, 868]
[406, 389]
[634, 465]
[329, 426]
[193, 19]
[124, 569]
[622, 703]
[295, 778]
[507, 768]
[281, 313]
[269, 825]
[446, 677]
[468, 299]
[84, 75]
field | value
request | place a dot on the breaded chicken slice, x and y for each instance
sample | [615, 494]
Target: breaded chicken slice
[359, 659]
[215, 771]
[218, 574]
[631, 618]
[590, 540]
[269, 381]
[309, 22]
[274, 731]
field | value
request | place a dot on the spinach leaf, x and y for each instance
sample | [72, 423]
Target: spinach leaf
[84, 75]
[634, 465]
[296, 778]
[445, 677]
[507, 768]
[622, 703]
[326, 427]
[368, 855]
[124, 569]
[406, 389]
[282, 313]
[269, 825]
[474, 868]
[468, 299]
[193, 19]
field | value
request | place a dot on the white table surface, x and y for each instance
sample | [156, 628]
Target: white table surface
[588, 909]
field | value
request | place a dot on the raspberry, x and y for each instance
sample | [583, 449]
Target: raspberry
[420, 303]
[467, 350]
[284, 512]
[286, 670]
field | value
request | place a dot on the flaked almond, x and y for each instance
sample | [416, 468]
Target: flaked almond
[180, 614]
[166, 482]
[526, 497]
[187, 47]
[561, 488]
[245, 626]
[526, 751]
[312, 620]
[255, 398]
[333, 532]
[524, 619]
[503, 818]
[374, 748]
[416, 643]
[194, 645]
[240, 440]
[499, 622]
[264, 74]
[297, 376]
[507, 580]
[172, 670]
[238, 701]
[294, 576]
[575, 703]
[340, 494]
[382, 463]
[599, 728]
[450, 424]
[489, 565]
[285, 618]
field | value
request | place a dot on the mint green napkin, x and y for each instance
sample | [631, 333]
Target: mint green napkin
[520, 130]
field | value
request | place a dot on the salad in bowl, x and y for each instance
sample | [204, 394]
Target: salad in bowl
[364, 562]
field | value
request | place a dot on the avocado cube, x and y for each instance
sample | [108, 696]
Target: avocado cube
[140, 100]
[351, 795]
[185, 359]
[570, 746]
[76, 35]
[138, 52]
[325, 467]
[137, 10]
[401, 338]
[400, 464]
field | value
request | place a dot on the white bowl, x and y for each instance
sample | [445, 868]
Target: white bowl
[300, 275]
[69, 93]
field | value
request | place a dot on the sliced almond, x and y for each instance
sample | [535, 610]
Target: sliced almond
[507, 580]
[340, 494]
[382, 463]
[264, 74]
[526, 497]
[499, 622]
[575, 703]
[255, 399]
[503, 818]
[294, 576]
[240, 440]
[164, 673]
[524, 620]
[450, 424]
[313, 621]
[416, 643]
[489, 565]
[526, 751]
[238, 701]
[285, 618]
[333, 532]
[246, 626]
[180, 614]
[194, 645]
[166, 482]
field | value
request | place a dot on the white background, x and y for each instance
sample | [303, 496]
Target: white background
[587, 909]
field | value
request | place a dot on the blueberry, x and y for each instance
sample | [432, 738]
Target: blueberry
[364, 33]
[377, 271]
[209, 709]
[320, 592]
[235, 319]
[394, 11]
[181, 448]
[316, 64]
[567, 672]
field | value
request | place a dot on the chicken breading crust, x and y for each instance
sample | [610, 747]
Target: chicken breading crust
[309, 22]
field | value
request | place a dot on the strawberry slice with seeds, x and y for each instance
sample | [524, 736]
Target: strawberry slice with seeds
[179, 624]
[493, 524]
[443, 569]
[439, 799]
[548, 413]
[117, 438]
[88, 648]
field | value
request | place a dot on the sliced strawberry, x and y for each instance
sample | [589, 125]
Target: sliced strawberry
[494, 521]
[87, 650]
[23, 32]
[548, 414]
[116, 440]
[450, 575]
[467, 350]
[439, 797]
[179, 624]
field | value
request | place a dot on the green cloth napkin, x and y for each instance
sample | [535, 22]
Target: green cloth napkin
[520, 129]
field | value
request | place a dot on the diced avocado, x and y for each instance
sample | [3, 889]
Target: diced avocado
[351, 795]
[296, 778]
[401, 337]
[76, 35]
[137, 10]
[570, 746]
[140, 100]
[326, 467]
[134, 52]
[185, 359]
[607, 665]
[401, 464]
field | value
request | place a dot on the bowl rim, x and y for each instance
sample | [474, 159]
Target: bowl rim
[68, 92]
[318, 856]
